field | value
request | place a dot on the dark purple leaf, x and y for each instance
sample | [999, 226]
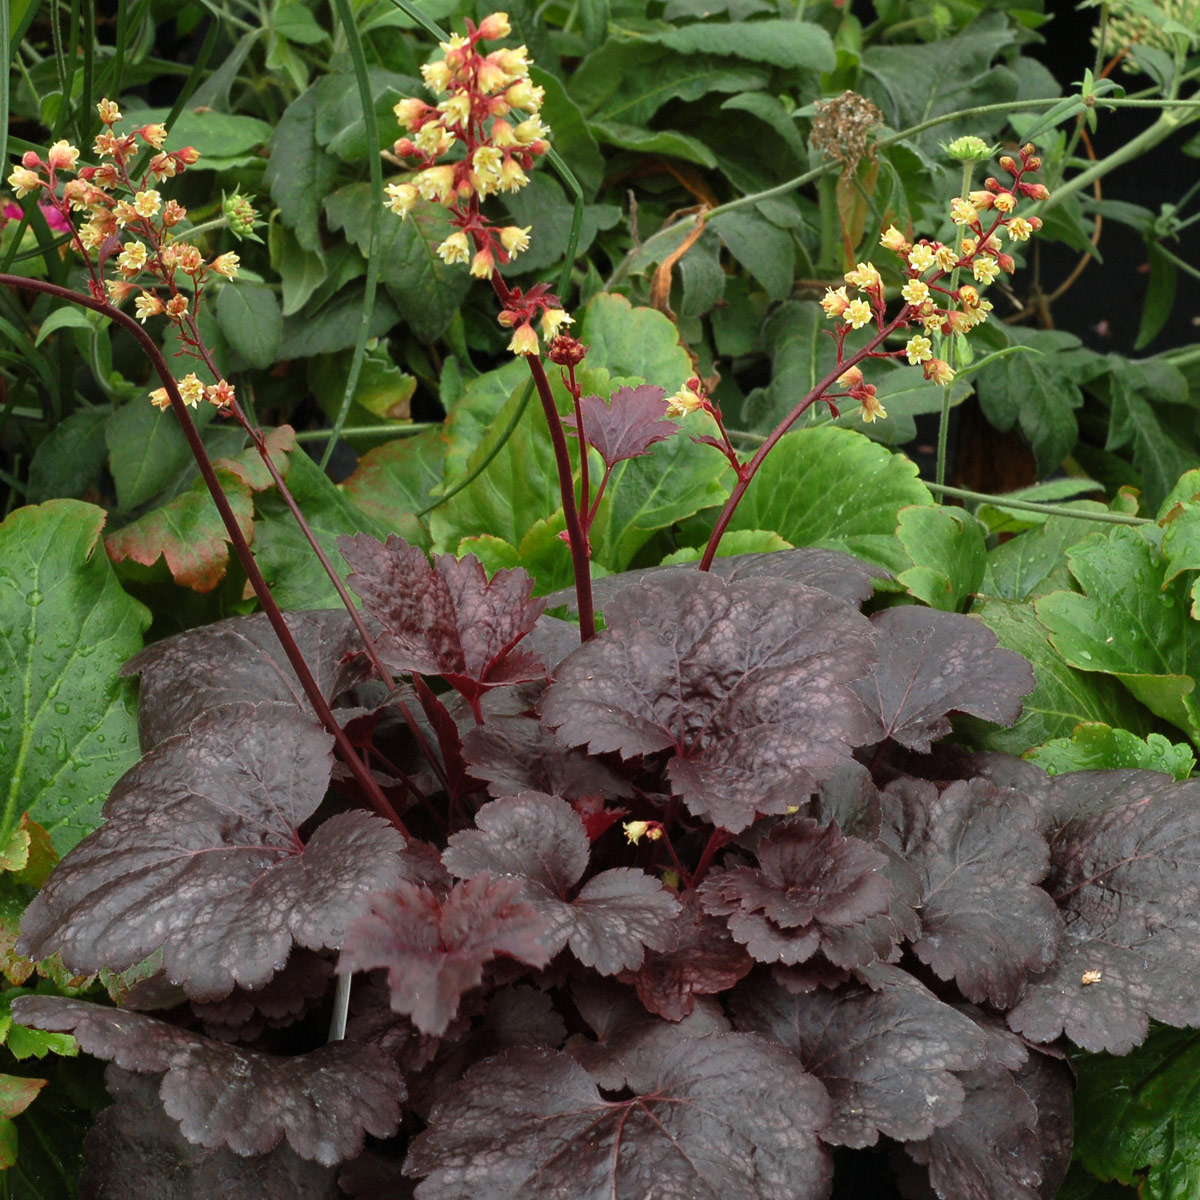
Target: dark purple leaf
[990, 1151]
[729, 1116]
[135, 1150]
[814, 890]
[1049, 1081]
[984, 921]
[888, 1057]
[435, 947]
[746, 684]
[519, 754]
[630, 1044]
[447, 619]
[243, 1015]
[702, 961]
[221, 1095]
[542, 841]
[199, 854]
[240, 660]
[1127, 882]
[849, 797]
[934, 663]
[627, 427]
[830, 570]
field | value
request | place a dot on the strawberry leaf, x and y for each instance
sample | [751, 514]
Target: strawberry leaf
[199, 854]
[435, 948]
[745, 684]
[532, 1124]
[226, 1096]
[542, 841]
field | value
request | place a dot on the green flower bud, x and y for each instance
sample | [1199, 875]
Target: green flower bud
[969, 149]
[240, 214]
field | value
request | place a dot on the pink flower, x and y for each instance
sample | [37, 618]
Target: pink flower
[55, 219]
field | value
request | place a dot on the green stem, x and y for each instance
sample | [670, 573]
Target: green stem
[968, 170]
[368, 431]
[1032, 506]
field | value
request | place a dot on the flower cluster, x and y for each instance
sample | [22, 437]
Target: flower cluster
[932, 296]
[470, 146]
[130, 234]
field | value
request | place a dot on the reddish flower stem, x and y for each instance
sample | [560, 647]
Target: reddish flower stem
[718, 839]
[747, 472]
[312, 690]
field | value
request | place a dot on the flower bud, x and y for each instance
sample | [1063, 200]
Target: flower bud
[566, 351]
[524, 340]
[969, 149]
[494, 26]
[110, 114]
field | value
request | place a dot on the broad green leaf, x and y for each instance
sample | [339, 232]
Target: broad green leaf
[1138, 1116]
[947, 551]
[1094, 747]
[1002, 518]
[427, 292]
[1160, 296]
[17, 1093]
[68, 729]
[335, 326]
[628, 81]
[216, 135]
[630, 341]
[1016, 568]
[341, 128]
[744, 541]
[801, 356]
[673, 481]
[765, 250]
[833, 487]
[1181, 546]
[296, 23]
[300, 170]
[787, 44]
[65, 318]
[667, 142]
[147, 450]
[251, 321]
[381, 395]
[771, 112]
[394, 481]
[542, 552]
[1129, 623]
[545, 207]
[1159, 456]
[188, 533]
[572, 138]
[904, 393]
[1062, 697]
[70, 460]
[296, 578]
[301, 271]
[471, 415]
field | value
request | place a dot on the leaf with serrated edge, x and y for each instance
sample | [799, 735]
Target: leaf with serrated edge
[542, 841]
[627, 426]
[984, 921]
[199, 855]
[888, 1057]
[934, 663]
[135, 1140]
[240, 660]
[321, 1102]
[435, 948]
[746, 683]
[1126, 878]
[730, 1116]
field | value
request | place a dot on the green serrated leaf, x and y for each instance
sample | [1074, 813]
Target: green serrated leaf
[250, 319]
[834, 487]
[147, 450]
[300, 170]
[634, 342]
[795, 45]
[68, 727]
[1094, 747]
[296, 23]
[667, 142]
[744, 541]
[948, 555]
[394, 481]
[70, 460]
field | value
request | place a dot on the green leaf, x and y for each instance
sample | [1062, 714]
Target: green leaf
[572, 138]
[296, 23]
[765, 250]
[188, 533]
[1138, 1116]
[788, 44]
[630, 341]
[341, 127]
[1157, 454]
[251, 321]
[147, 450]
[17, 1093]
[68, 727]
[70, 460]
[674, 480]
[1062, 697]
[545, 206]
[1016, 568]
[666, 142]
[904, 393]
[381, 395]
[300, 171]
[395, 481]
[427, 292]
[335, 326]
[744, 541]
[771, 112]
[476, 409]
[1094, 747]
[836, 488]
[65, 318]
[296, 578]
[800, 358]
[1160, 296]
[301, 271]
[1001, 518]
[542, 552]
[1129, 623]
[1181, 547]
[948, 555]
[216, 135]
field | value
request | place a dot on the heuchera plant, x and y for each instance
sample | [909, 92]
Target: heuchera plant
[701, 904]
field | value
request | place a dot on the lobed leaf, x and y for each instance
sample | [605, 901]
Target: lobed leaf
[626, 426]
[200, 855]
[746, 684]
[729, 1116]
[322, 1102]
[435, 947]
[542, 841]
[984, 921]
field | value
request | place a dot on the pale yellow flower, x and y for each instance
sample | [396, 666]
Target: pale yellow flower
[857, 314]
